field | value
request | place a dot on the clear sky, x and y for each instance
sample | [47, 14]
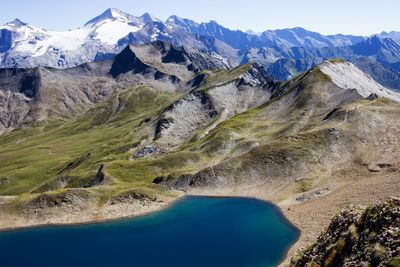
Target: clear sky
[361, 17]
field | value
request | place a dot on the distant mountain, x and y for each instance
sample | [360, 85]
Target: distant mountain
[395, 35]
[382, 74]
[378, 57]
[284, 52]
[22, 45]
[384, 50]
[296, 37]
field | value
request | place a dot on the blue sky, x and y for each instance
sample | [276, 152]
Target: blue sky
[362, 17]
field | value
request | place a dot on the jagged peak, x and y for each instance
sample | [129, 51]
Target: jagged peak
[213, 22]
[16, 23]
[113, 14]
[178, 20]
[174, 54]
[175, 19]
[256, 75]
[149, 18]
[127, 61]
[298, 29]
[373, 44]
[251, 32]
[379, 40]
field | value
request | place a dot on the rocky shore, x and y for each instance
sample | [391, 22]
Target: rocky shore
[356, 237]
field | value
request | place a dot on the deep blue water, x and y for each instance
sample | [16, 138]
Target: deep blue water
[196, 231]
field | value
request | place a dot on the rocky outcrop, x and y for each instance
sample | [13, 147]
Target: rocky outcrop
[256, 76]
[128, 61]
[147, 151]
[205, 178]
[358, 238]
[70, 197]
[133, 195]
[183, 118]
[99, 179]
[74, 164]
[192, 58]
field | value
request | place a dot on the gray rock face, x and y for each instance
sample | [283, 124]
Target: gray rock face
[147, 150]
[205, 109]
[183, 118]
[127, 61]
[99, 179]
[356, 238]
[204, 179]
[34, 95]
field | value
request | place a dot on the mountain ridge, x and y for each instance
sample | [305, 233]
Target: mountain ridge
[283, 52]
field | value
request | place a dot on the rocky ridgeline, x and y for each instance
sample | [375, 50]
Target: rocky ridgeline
[358, 238]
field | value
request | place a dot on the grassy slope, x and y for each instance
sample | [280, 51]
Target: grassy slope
[32, 156]
[33, 159]
[291, 126]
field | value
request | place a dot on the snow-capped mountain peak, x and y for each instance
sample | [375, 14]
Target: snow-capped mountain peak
[16, 23]
[146, 17]
[112, 14]
[30, 46]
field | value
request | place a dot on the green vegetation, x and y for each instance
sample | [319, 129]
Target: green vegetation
[31, 157]
[337, 60]
[64, 154]
[68, 153]
[224, 76]
[320, 76]
[395, 262]
[304, 185]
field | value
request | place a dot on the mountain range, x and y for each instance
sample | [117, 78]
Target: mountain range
[284, 53]
[126, 114]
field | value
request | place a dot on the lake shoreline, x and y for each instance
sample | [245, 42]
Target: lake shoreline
[117, 217]
[311, 216]
[148, 212]
[176, 202]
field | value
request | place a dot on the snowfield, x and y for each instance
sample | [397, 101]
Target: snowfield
[107, 29]
[348, 76]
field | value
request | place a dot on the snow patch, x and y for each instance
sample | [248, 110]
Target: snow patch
[36, 42]
[110, 31]
[348, 76]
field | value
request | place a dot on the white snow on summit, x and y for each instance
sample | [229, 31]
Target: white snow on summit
[110, 31]
[107, 29]
[348, 76]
